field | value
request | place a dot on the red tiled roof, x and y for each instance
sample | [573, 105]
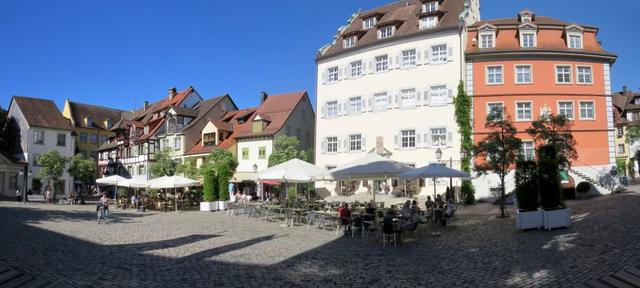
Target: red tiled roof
[42, 113]
[221, 125]
[99, 114]
[277, 108]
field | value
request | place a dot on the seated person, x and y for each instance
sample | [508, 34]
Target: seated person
[429, 204]
[440, 204]
[415, 210]
[387, 222]
[406, 209]
[451, 208]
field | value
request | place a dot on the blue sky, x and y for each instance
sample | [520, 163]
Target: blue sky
[119, 53]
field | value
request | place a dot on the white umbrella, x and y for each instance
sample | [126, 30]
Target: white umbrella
[172, 182]
[284, 175]
[112, 180]
[139, 181]
[294, 170]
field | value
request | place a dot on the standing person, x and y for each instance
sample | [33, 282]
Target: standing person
[104, 203]
[344, 213]
[18, 194]
[47, 195]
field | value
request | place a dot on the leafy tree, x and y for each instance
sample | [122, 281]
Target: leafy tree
[207, 187]
[549, 176]
[621, 164]
[188, 168]
[286, 148]
[499, 150]
[633, 134]
[217, 171]
[555, 130]
[9, 133]
[163, 165]
[527, 185]
[82, 169]
[462, 104]
[52, 165]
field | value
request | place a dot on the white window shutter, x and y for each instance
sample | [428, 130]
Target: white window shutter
[363, 146]
[323, 110]
[396, 141]
[370, 103]
[450, 97]
[428, 136]
[418, 98]
[340, 73]
[449, 138]
[324, 77]
[426, 97]
[398, 59]
[371, 67]
[390, 104]
[426, 56]
[430, 55]
[418, 139]
[323, 146]
[345, 144]
[364, 104]
[396, 101]
[339, 108]
[347, 71]
[345, 108]
[390, 61]
[449, 53]
[418, 58]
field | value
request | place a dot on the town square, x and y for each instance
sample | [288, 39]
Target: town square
[361, 143]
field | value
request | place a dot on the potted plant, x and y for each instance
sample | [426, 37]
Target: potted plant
[208, 204]
[555, 213]
[528, 215]
[223, 175]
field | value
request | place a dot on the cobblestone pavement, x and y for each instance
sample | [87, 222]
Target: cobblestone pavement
[194, 249]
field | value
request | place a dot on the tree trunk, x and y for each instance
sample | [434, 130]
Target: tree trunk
[502, 214]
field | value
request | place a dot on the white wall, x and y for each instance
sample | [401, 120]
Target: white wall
[253, 145]
[50, 143]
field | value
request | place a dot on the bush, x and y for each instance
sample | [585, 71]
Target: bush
[527, 185]
[207, 186]
[583, 187]
[223, 183]
[549, 177]
[621, 165]
[468, 192]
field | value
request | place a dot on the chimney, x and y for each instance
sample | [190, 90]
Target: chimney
[263, 97]
[172, 92]
[146, 105]
[624, 90]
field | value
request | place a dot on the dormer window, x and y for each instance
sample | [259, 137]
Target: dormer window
[431, 6]
[428, 22]
[369, 22]
[107, 123]
[350, 41]
[487, 40]
[89, 121]
[209, 139]
[528, 39]
[386, 32]
[526, 18]
[574, 40]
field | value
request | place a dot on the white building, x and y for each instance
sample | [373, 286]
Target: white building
[390, 77]
[42, 129]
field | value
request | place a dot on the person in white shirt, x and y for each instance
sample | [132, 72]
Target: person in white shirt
[451, 208]
[18, 194]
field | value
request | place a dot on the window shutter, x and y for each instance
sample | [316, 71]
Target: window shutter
[340, 73]
[390, 104]
[364, 104]
[323, 146]
[426, 97]
[347, 71]
[449, 138]
[418, 58]
[426, 56]
[390, 62]
[370, 103]
[345, 108]
[345, 144]
[450, 98]
[396, 101]
[418, 139]
[418, 98]
[323, 110]
[398, 59]
[371, 67]
[428, 136]
[449, 53]
[339, 108]
[430, 55]
[396, 140]
[363, 146]
[324, 77]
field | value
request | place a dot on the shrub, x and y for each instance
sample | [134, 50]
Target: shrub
[207, 187]
[468, 192]
[549, 177]
[527, 185]
[583, 187]
[621, 165]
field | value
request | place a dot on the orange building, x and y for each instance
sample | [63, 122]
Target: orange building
[530, 65]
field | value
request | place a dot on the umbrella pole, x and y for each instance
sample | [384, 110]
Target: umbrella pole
[175, 196]
[434, 197]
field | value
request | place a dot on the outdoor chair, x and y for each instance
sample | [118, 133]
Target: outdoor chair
[289, 218]
[368, 227]
[388, 234]
[313, 218]
[412, 227]
[356, 226]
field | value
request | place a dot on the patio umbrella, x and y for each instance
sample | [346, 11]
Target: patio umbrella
[434, 171]
[139, 181]
[112, 180]
[285, 175]
[371, 166]
[172, 182]
[294, 171]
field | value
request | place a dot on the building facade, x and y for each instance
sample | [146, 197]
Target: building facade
[389, 77]
[42, 128]
[532, 65]
[626, 114]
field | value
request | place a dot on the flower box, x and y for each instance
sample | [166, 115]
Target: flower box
[222, 205]
[208, 206]
[556, 218]
[529, 219]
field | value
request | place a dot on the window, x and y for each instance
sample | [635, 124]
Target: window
[409, 58]
[36, 157]
[385, 32]
[407, 97]
[332, 109]
[636, 100]
[496, 108]
[94, 138]
[527, 150]
[355, 104]
[62, 140]
[523, 111]
[177, 143]
[523, 74]
[563, 74]
[355, 142]
[428, 22]
[439, 54]
[431, 6]
[333, 74]
[262, 152]
[528, 40]
[620, 148]
[13, 181]
[332, 144]
[356, 68]
[575, 41]
[380, 101]
[209, 139]
[89, 122]
[369, 22]
[584, 75]
[408, 139]
[141, 170]
[38, 137]
[494, 75]
[350, 41]
[438, 94]
[382, 63]
[84, 137]
[486, 40]
[245, 153]
[566, 108]
[620, 131]
[587, 111]
[438, 137]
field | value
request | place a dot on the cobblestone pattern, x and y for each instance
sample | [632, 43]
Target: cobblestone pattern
[63, 244]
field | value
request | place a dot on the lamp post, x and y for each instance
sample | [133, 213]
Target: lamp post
[25, 174]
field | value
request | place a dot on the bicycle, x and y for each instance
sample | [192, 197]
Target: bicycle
[103, 213]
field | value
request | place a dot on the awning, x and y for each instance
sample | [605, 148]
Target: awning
[564, 176]
[270, 182]
[244, 176]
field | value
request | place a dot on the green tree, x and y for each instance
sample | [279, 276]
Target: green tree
[52, 165]
[462, 104]
[632, 134]
[82, 169]
[219, 168]
[549, 176]
[163, 165]
[208, 175]
[286, 148]
[499, 150]
[556, 130]
[189, 168]
[9, 133]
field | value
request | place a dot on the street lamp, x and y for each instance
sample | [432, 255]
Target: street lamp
[255, 167]
[438, 154]
[463, 154]
[26, 180]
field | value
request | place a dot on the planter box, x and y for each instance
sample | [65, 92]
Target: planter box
[222, 205]
[208, 206]
[557, 218]
[529, 219]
